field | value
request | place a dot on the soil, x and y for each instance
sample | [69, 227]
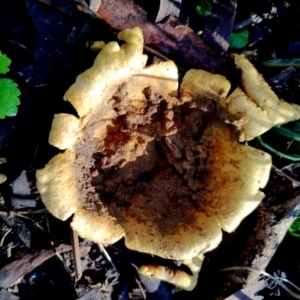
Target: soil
[47, 43]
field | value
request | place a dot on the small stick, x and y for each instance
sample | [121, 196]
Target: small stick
[141, 288]
[103, 250]
[58, 255]
[289, 145]
[160, 55]
[285, 175]
[4, 236]
[76, 254]
[263, 273]
[20, 213]
[49, 231]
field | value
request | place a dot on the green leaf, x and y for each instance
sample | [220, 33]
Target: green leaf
[9, 99]
[295, 228]
[287, 133]
[4, 63]
[180, 76]
[239, 39]
[204, 9]
[293, 157]
[296, 127]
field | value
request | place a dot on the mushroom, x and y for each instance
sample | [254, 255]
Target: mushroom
[166, 173]
[256, 109]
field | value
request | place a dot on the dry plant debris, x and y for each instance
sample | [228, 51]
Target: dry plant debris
[11, 273]
[170, 38]
[150, 161]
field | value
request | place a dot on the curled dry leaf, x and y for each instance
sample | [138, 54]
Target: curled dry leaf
[151, 162]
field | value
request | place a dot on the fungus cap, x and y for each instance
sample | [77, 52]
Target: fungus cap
[166, 173]
[256, 108]
[251, 120]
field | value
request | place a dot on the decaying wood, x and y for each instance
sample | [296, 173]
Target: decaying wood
[11, 273]
[273, 232]
[273, 218]
[172, 38]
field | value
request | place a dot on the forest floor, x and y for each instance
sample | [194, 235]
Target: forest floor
[46, 41]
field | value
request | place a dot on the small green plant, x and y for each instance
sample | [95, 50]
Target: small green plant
[204, 8]
[9, 92]
[239, 39]
[294, 229]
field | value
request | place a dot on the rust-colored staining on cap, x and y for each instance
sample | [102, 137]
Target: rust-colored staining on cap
[166, 172]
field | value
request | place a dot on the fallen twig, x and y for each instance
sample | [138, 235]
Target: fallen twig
[76, 254]
[103, 250]
[278, 280]
[141, 288]
[4, 236]
[13, 213]
[161, 56]
[286, 176]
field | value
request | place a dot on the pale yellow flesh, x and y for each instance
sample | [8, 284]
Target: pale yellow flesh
[228, 201]
[257, 89]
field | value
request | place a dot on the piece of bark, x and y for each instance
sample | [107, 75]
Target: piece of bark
[21, 193]
[11, 273]
[172, 39]
[219, 25]
[273, 230]
[273, 218]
